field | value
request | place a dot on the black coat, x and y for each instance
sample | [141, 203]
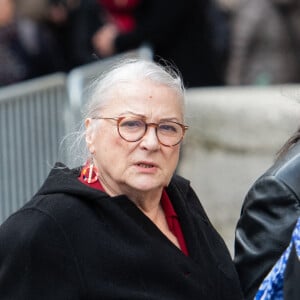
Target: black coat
[269, 214]
[74, 242]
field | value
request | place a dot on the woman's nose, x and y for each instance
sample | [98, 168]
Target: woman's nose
[150, 140]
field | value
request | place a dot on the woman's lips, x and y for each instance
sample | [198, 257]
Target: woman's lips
[147, 166]
[143, 165]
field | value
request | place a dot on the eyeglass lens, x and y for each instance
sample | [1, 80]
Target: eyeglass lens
[133, 129]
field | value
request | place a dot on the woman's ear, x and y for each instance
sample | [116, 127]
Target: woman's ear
[89, 135]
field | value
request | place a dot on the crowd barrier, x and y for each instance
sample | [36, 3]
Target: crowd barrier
[81, 78]
[35, 116]
[31, 125]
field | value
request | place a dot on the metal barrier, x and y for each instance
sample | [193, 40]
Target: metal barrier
[34, 118]
[81, 78]
[32, 122]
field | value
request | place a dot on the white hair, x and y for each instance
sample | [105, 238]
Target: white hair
[103, 88]
[130, 70]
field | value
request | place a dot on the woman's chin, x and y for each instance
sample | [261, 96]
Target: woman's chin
[146, 185]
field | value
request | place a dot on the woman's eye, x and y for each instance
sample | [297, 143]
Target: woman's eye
[168, 128]
[132, 124]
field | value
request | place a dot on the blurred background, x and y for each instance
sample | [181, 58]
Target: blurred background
[239, 60]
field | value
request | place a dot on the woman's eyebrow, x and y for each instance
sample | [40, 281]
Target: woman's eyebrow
[172, 119]
[129, 112]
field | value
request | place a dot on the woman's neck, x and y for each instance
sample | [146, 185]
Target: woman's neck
[149, 203]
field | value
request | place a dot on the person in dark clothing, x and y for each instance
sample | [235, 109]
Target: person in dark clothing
[178, 31]
[269, 214]
[14, 60]
[23, 46]
[72, 23]
[123, 225]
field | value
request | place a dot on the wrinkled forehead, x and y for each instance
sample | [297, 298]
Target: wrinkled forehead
[144, 93]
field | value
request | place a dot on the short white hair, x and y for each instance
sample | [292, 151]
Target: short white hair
[127, 71]
[102, 89]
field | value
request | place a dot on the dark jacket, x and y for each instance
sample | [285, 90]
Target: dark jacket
[179, 32]
[269, 214]
[74, 242]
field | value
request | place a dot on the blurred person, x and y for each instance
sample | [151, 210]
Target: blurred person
[122, 225]
[35, 33]
[62, 21]
[269, 214]
[265, 43]
[13, 56]
[178, 31]
[73, 22]
[27, 48]
[120, 14]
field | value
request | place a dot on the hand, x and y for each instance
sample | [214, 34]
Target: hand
[103, 40]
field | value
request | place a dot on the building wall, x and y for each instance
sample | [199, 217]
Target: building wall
[233, 138]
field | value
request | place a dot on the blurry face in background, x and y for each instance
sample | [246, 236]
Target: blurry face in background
[144, 165]
[7, 12]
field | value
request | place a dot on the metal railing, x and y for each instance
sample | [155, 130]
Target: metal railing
[81, 78]
[30, 132]
[34, 118]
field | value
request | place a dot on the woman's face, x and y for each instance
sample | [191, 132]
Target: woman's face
[141, 166]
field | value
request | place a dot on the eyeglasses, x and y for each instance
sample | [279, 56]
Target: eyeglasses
[133, 129]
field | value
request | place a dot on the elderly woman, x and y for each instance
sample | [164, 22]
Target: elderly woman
[122, 226]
